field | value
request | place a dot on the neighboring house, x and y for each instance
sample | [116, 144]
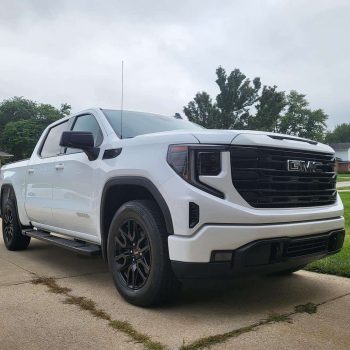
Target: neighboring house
[342, 152]
[4, 155]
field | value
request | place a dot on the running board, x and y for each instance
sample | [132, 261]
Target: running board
[73, 245]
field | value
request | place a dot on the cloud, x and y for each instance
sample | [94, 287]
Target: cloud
[71, 51]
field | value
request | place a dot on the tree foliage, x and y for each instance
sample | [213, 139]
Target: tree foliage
[268, 110]
[341, 133]
[237, 95]
[22, 122]
[300, 120]
[242, 104]
[231, 107]
[203, 111]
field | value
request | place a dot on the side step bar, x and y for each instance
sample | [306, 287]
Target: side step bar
[73, 245]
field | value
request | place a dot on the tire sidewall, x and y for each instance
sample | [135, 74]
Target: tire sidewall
[10, 204]
[140, 213]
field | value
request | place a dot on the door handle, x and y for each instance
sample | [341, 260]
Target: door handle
[30, 171]
[59, 166]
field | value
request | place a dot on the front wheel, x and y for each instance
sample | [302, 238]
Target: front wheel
[138, 255]
[11, 227]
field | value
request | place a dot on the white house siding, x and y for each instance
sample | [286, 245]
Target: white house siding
[344, 155]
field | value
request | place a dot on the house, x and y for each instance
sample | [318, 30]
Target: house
[342, 153]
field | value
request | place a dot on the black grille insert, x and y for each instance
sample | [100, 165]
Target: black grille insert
[308, 246]
[262, 178]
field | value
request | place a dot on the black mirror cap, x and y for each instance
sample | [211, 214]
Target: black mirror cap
[77, 139]
[83, 140]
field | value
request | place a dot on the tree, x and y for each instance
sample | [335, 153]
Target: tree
[315, 125]
[22, 122]
[241, 104]
[230, 110]
[268, 110]
[341, 133]
[24, 135]
[236, 96]
[299, 120]
[202, 111]
[16, 109]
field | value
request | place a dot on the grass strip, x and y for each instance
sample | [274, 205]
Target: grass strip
[309, 308]
[138, 337]
[206, 342]
[87, 305]
[343, 177]
[51, 283]
[90, 306]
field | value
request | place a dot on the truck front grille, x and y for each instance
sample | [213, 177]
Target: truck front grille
[262, 176]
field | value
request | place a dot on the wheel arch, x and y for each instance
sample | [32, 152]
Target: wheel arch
[5, 192]
[128, 188]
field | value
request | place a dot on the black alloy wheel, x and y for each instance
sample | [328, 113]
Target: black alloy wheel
[8, 226]
[133, 254]
[138, 257]
[11, 226]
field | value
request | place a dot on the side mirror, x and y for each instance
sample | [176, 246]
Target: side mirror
[83, 140]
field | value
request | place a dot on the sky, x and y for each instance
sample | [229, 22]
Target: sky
[70, 51]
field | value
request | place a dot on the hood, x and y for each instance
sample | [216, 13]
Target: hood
[215, 136]
[15, 164]
[259, 138]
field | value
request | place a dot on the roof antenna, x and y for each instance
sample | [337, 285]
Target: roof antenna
[121, 103]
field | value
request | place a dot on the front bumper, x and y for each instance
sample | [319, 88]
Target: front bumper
[199, 246]
[266, 256]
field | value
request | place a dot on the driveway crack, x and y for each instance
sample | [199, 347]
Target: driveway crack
[125, 327]
[207, 342]
[90, 306]
[19, 266]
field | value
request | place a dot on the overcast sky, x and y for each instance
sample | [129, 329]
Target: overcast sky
[70, 51]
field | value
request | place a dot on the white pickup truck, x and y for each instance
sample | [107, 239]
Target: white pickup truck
[163, 199]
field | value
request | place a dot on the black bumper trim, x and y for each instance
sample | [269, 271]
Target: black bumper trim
[266, 256]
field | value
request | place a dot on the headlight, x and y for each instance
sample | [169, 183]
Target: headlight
[192, 161]
[178, 159]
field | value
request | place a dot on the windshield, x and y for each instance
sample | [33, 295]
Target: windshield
[139, 123]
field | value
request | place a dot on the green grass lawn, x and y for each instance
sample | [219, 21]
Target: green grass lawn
[338, 264]
[343, 177]
[346, 188]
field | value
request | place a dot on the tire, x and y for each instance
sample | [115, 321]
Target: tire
[11, 226]
[138, 257]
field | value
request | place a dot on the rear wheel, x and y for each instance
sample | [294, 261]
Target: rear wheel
[11, 227]
[138, 255]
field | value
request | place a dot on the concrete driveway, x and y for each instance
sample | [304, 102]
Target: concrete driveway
[79, 308]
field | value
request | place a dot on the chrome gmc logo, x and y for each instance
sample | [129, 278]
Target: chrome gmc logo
[303, 166]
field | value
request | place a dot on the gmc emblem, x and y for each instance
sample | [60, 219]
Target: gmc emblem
[303, 166]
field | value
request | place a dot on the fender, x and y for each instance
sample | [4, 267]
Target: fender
[5, 193]
[137, 181]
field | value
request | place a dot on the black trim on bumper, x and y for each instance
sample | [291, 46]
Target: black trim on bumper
[266, 256]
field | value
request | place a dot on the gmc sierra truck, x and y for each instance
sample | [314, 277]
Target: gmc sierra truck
[164, 200]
